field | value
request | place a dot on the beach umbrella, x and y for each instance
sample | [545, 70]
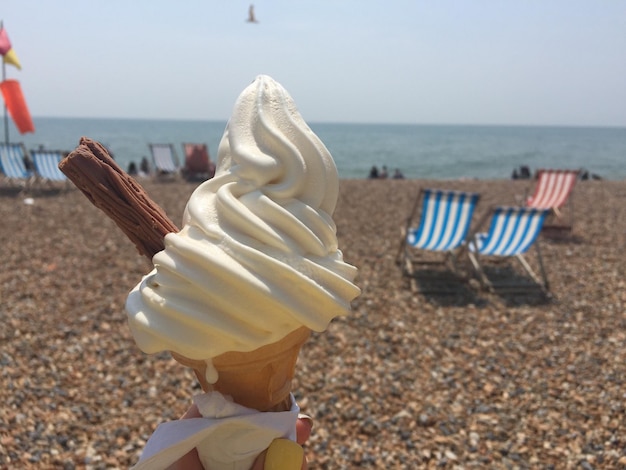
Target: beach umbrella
[16, 105]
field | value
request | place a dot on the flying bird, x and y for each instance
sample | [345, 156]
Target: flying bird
[251, 17]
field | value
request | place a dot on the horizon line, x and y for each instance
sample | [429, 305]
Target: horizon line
[363, 123]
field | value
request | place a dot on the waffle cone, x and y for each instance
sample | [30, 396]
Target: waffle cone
[259, 379]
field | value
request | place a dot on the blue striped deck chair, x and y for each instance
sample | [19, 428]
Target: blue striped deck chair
[512, 232]
[165, 160]
[445, 220]
[47, 166]
[12, 164]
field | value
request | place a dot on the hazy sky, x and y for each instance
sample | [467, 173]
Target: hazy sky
[554, 62]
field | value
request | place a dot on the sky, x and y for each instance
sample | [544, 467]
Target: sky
[525, 62]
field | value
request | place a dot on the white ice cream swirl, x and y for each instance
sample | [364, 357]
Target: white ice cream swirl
[257, 257]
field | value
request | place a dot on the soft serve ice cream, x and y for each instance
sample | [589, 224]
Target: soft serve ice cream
[257, 258]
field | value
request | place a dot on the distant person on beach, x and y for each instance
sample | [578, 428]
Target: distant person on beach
[144, 167]
[28, 164]
[585, 175]
[522, 174]
[397, 174]
[383, 173]
[132, 169]
[374, 172]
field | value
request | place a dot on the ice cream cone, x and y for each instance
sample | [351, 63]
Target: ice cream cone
[259, 379]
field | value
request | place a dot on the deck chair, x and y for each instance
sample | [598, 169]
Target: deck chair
[165, 160]
[513, 230]
[552, 192]
[47, 166]
[445, 218]
[198, 165]
[13, 166]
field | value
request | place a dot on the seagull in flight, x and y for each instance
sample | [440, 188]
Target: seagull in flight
[251, 17]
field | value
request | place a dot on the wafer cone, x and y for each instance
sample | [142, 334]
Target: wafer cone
[259, 379]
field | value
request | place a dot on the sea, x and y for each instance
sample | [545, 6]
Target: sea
[418, 151]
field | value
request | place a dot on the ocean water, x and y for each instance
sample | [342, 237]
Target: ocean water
[419, 151]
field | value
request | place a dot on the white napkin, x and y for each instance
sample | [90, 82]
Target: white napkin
[228, 436]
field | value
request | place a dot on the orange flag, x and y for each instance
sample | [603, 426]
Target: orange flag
[16, 105]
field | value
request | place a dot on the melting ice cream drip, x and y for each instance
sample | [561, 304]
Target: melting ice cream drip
[210, 373]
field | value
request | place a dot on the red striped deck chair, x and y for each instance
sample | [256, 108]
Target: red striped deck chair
[553, 191]
[198, 164]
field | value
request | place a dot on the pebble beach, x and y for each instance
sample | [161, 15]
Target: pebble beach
[465, 378]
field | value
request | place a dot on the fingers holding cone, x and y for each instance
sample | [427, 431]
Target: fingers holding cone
[304, 426]
[283, 454]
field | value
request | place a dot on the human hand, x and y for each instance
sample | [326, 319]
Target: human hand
[282, 454]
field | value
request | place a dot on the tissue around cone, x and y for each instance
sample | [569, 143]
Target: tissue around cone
[259, 379]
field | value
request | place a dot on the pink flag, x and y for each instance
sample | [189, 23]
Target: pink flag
[5, 44]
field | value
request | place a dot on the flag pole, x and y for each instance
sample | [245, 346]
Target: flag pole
[6, 116]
